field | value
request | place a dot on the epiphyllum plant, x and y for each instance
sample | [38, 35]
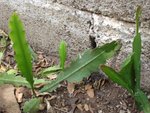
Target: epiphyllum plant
[130, 73]
[85, 64]
[21, 48]
[88, 62]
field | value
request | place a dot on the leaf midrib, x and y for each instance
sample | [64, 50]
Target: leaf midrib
[67, 76]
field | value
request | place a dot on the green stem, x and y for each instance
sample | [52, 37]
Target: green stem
[142, 101]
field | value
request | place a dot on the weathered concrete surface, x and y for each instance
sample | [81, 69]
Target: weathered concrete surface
[119, 9]
[47, 22]
[8, 103]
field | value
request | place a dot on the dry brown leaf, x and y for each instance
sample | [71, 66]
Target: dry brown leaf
[19, 94]
[86, 107]
[103, 82]
[2, 68]
[52, 76]
[71, 87]
[50, 109]
[3, 33]
[19, 97]
[80, 107]
[38, 94]
[40, 56]
[52, 97]
[39, 85]
[88, 86]
[89, 90]
[42, 106]
[26, 92]
[90, 93]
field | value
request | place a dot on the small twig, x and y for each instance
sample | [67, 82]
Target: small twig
[34, 94]
[61, 110]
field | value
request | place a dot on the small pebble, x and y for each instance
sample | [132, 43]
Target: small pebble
[128, 111]
[122, 111]
[100, 111]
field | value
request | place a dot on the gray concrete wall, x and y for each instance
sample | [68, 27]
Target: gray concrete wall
[48, 22]
[119, 9]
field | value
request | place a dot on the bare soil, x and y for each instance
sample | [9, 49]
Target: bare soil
[108, 98]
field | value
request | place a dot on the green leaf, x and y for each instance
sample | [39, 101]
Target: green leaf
[33, 54]
[62, 53]
[49, 70]
[142, 101]
[126, 61]
[136, 59]
[84, 65]
[137, 51]
[32, 106]
[138, 14]
[17, 80]
[21, 48]
[127, 72]
[115, 77]
[12, 71]
[12, 79]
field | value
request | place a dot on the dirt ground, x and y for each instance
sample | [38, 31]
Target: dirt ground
[106, 98]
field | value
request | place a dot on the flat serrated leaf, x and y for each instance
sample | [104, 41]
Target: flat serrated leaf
[17, 80]
[49, 70]
[12, 79]
[21, 48]
[84, 65]
[31, 106]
